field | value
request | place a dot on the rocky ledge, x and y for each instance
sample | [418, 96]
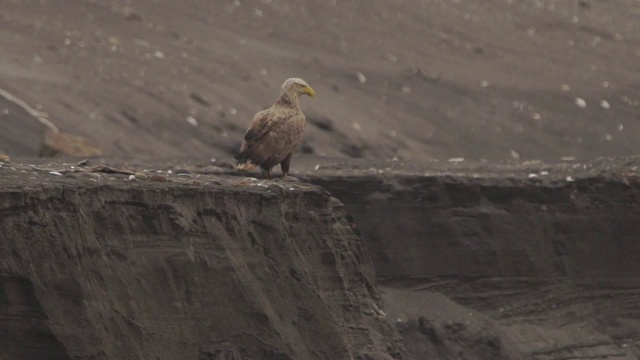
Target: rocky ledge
[97, 264]
[512, 261]
[472, 261]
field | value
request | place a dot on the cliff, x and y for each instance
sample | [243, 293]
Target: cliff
[472, 261]
[97, 266]
[512, 261]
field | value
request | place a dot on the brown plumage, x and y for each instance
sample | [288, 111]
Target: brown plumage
[275, 132]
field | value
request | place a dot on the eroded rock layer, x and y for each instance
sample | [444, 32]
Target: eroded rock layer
[514, 262]
[229, 269]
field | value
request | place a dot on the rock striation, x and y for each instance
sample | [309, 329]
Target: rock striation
[102, 267]
[472, 261]
[512, 261]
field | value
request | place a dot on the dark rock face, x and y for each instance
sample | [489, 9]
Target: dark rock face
[26, 334]
[505, 267]
[168, 271]
[473, 262]
[453, 226]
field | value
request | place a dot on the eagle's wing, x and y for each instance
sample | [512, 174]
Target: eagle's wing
[268, 139]
[261, 124]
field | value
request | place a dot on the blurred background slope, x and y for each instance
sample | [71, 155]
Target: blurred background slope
[413, 79]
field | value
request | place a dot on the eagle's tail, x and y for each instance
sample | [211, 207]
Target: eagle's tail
[244, 162]
[245, 165]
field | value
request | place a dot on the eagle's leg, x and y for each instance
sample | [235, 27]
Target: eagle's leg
[284, 165]
[266, 172]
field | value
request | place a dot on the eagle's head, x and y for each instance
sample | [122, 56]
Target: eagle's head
[297, 87]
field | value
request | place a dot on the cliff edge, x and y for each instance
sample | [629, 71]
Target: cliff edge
[519, 260]
[99, 265]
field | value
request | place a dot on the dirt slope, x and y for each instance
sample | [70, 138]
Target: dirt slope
[414, 79]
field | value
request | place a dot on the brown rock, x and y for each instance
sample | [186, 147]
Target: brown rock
[63, 144]
[158, 178]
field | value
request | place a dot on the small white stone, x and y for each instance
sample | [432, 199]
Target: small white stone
[605, 104]
[356, 126]
[605, 84]
[515, 155]
[55, 173]
[536, 116]
[544, 173]
[570, 179]
[608, 137]
[620, 127]
[192, 121]
[361, 78]
[565, 88]
[132, 177]
[233, 111]
[392, 58]
[518, 105]
[533, 175]
[142, 43]
[458, 159]
[158, 54]
[581, 103]
[317, 167]
[484, 83]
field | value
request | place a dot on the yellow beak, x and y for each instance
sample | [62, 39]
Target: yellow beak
[309, 91]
